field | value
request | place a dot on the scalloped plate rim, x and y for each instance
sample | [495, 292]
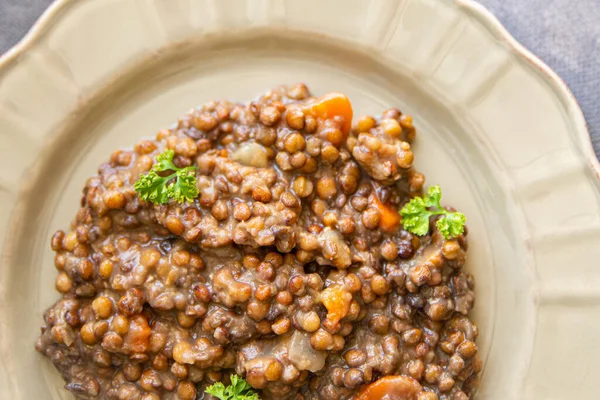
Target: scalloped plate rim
[54, 12]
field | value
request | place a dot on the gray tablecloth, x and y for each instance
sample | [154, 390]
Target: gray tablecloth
[564, 33]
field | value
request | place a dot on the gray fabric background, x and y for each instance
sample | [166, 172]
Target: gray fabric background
[563, 33]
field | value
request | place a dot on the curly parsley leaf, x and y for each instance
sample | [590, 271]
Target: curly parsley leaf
[180, 185]
[415, 217]
[452, 225]
[217, 390]
[416, 213]
[433, 197]
[238, 390]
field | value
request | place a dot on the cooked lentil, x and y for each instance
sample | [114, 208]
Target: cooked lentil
[291, 268]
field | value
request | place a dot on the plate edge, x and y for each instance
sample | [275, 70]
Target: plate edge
[582, 137]
[559, 86]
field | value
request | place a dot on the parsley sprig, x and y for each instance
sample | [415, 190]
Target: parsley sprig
[416, 213]
[238, 390]
[180, 185]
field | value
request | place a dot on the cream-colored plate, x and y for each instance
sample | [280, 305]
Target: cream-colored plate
[497, 129]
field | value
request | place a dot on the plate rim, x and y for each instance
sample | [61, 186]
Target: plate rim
[55, 13]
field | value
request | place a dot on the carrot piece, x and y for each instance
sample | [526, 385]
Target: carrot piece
[390, 217]
[391, 387]
[337, 302]
[137, 338]
[332, 105]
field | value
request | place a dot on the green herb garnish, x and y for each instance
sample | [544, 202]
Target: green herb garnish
[238, 390]
[179, 185]
[416, 213]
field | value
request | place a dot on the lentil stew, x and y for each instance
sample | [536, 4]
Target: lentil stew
[291, 268]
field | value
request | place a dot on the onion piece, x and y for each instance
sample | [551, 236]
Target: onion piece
[251, 155]
[302, 354]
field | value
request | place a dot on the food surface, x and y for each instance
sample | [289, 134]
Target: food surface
[265, 240]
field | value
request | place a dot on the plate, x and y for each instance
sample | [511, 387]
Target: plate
[498, 129]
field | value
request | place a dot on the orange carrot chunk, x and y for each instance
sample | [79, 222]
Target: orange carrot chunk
[391, 387]
[332, 105]
[337, 302]
[389, 217]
